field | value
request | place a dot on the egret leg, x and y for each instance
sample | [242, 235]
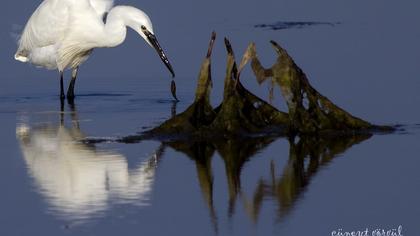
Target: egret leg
[70, 90]
[62, 97]
[62, 112]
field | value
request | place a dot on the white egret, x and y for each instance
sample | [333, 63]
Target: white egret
[61, 34]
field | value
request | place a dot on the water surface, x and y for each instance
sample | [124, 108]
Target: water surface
[52, 184]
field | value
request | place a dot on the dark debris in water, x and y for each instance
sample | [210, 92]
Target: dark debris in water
[283, 25]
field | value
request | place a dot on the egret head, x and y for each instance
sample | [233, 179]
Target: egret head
[142, 24]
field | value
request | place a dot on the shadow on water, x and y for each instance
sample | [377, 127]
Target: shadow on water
[77, 180]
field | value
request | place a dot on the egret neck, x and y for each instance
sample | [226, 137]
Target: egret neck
[115, 30]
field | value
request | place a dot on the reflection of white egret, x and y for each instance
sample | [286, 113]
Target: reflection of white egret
[76, 179]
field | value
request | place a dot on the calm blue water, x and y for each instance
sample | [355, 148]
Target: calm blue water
[368, 64]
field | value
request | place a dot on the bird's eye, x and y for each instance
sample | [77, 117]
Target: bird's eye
[143, 27]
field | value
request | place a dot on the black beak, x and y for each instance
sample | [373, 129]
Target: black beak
[153, 41]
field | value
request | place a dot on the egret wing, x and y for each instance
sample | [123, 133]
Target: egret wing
[47, 26]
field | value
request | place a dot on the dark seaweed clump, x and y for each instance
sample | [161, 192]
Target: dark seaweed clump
[243, 114]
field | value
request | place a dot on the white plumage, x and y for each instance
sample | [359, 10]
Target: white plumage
[61, 34]
[57, 34]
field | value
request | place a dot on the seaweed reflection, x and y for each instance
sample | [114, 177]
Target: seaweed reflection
[76, 179]
[307, 155]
